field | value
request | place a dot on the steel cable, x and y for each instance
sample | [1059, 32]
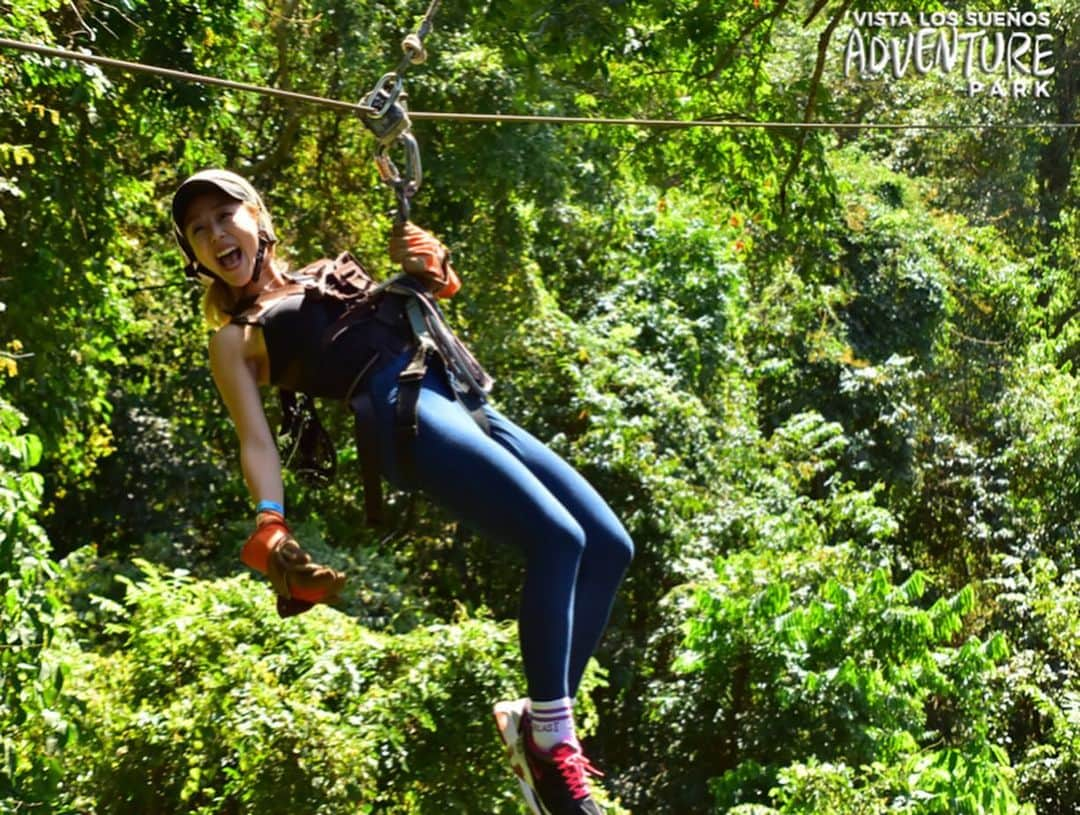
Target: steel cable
[353, 107]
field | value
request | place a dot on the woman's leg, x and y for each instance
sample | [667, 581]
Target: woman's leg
[512, 486]
[481, 482]
[608, 547]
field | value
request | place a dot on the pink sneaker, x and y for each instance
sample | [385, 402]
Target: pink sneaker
[509, 717]
[560, 777]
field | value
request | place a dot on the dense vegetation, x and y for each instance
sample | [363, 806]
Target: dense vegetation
[825, 376]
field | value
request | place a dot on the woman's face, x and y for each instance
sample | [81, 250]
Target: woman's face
[224, 234]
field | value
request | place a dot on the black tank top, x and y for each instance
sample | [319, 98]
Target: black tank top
[315, 348]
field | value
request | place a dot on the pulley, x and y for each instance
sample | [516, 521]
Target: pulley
[386, 115]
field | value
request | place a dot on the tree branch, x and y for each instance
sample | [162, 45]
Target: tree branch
[1063, 320]
[818, 6]
[289, 133]
[120, 13]
[811, 100]
[725, 58]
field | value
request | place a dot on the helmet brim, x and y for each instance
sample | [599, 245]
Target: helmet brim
[205, 182]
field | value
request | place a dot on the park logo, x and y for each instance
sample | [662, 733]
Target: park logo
[995, 54]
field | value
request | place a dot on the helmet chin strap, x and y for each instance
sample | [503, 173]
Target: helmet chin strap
[263, 243]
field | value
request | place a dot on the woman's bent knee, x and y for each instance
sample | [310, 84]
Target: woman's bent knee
[564, 538]
[621, 548]
[613, 546]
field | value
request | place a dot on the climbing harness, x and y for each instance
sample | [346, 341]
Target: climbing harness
[469, 382]
[372, 325]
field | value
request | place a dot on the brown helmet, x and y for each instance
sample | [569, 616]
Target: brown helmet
[233, 186]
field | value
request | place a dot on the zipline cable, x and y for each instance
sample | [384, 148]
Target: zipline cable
[745, 124]
[138, 67]
[366, 110]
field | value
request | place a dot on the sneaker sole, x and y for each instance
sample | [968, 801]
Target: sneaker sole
[507, 719]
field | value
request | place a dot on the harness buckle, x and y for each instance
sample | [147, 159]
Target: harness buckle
[418, 365]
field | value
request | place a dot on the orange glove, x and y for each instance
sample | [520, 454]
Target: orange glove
[422, 255]
[298, 581]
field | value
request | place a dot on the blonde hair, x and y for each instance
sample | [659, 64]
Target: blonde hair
[217, 304]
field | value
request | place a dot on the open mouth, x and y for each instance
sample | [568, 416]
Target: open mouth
[229, 259]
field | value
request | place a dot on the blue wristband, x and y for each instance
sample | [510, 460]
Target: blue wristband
[270, 506]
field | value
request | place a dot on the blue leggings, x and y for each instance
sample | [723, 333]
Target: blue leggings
[511, 486]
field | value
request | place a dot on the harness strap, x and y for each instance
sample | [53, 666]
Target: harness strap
[469, 376]
[304, 444]
[475, 407]
[367, 448]
[407, 420]
[430, 340]
[469, 394]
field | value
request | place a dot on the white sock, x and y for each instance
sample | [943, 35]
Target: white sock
[552, 723]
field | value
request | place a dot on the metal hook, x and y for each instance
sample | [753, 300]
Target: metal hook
[404, 185]
[388, 118]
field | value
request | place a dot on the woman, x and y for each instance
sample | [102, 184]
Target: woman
[482, 467]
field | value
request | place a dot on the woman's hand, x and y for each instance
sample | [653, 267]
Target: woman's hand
[298, 580]
[423, 256]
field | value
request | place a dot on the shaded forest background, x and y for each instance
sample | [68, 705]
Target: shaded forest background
[826, 377]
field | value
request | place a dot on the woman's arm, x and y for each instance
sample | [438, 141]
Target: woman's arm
[271, 549]
[235, 376]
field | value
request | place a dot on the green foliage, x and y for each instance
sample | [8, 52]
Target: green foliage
[1037, 715]
[826, 379]
[31, 686]
[209, 704]
[853, 670]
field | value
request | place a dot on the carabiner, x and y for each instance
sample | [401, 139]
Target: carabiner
[404, 186]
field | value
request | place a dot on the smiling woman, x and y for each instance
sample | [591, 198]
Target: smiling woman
[223, 236]
[225, 232]
[423, 423]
